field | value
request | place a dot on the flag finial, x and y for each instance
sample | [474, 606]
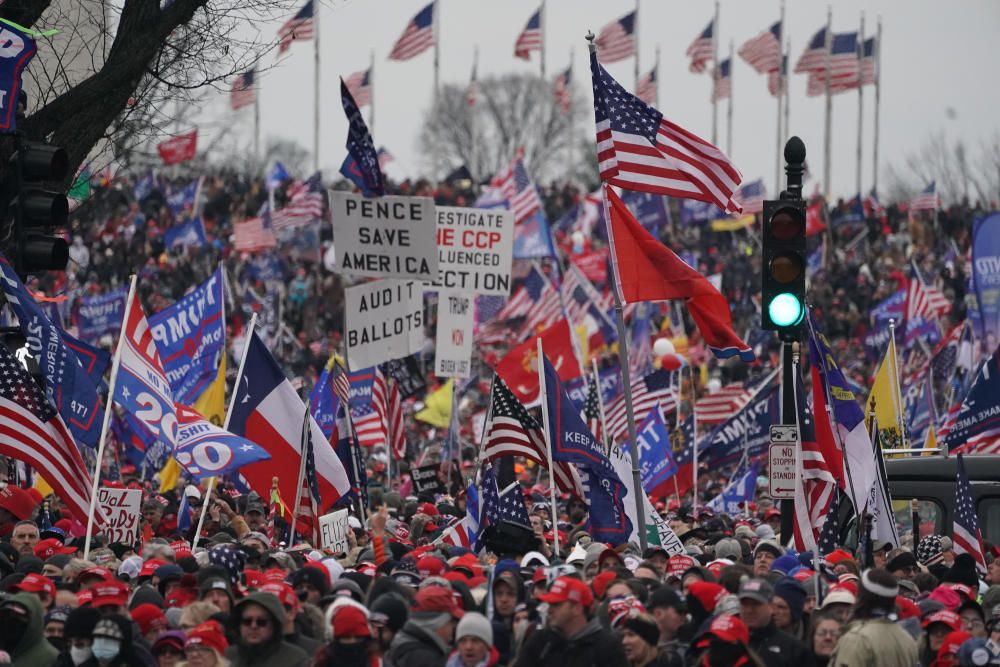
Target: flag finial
[590, 39]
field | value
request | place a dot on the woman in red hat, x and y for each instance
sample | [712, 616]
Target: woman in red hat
[206, 643]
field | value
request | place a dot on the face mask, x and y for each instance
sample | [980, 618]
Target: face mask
[79, 655]
[106, 649]
[350, 652]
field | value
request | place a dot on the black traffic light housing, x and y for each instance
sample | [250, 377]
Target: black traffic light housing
[36, 210]
[783, 268]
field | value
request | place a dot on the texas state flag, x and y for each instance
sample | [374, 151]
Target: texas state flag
[269, 412]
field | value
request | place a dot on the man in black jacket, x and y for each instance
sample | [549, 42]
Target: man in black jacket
[427, 637]
[775, 648]
[569, 637]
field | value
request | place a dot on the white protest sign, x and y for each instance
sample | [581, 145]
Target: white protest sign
[475, 249]
[333, 531]
[453, 348]
[385, 320]
[387, 237]
[120, 511]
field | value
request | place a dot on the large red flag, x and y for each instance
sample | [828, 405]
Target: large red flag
[647, 270]
[519, 367]
[179, 149]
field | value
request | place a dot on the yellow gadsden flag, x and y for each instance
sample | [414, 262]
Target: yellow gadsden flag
[437, 406]
[732, 224]
[886, 402]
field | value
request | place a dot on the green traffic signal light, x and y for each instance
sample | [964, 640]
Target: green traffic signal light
[785, 310]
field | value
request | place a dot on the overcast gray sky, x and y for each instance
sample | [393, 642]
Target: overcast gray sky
[936, 56]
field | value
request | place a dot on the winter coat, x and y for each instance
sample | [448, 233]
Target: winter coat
[274, 653]
[33, 650]
[413, 646]
[593, 646]
[780, 649]
[876, 641]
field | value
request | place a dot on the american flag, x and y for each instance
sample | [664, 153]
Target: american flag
[530, 38]
[305, 205]
[646, 90]
[472, 90]
[382, 422]
[360, 86]
[522, 197]
[341, 381]
[702, 49]
[384, 158]
[592, 409]
[617, 39]
[924, 300]
[868, 63]
[724, 80]
[639, 149]
[817, 487]
[252, 236]
[497, 507]
[814, 57]
[763, 52]
[417, 37]
[723, 404]
[33, 432]
[751, 196]
[777, 80]
[583, 299]
[640, 358]
[536, 300]
[844, 67]
[965, 530]
[829, 536]
[928, 199]
[512, 508]
[945, 353]
[511, 431]
[563, 91]
[243, 93]
[307, 519]
[657, 387]
[299, 28]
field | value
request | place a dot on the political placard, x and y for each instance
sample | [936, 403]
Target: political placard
[95, 316]
[475, 249]
[986, 278]
[333, 529]
[453, 348]
[388, 237]
[425, 479]
[385, 320]
[191, 336]
[119, 512]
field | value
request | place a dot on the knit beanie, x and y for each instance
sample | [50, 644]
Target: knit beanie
[786, 564]
[929, 551]
[791, 591]
[963, 571]
[702, 597]
[641, 626]
[476, 625]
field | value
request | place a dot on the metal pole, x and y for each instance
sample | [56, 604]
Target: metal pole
[827, 139]
[316, 88]
[303, 444]
[729, 110]
[541, 50]
[897, 399]
[787, 417]
[861, 105]
[256, 124]
[635, 29]
[656, 70]
[600, 406]
[784, 62]
[878, 97]
[779, 94]
[371, 93]
[694, 438]
[548, 440]
[715, 75]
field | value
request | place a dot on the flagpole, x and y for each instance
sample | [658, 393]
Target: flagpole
[861, 105]
[256, 124]
[656, 68]
[635, 29]
[897, 399]
[827, 138]
[729, 110]
[109, 407]
[600, 407]
[472, 114]
[784, 79]
[779, 144]
[371, 93]
[229, 413]
[541, 30]
[548, 441]
[316, 89]
[436, 19]
[877, 55]
[303, 443]
[715, 74]
[694, 437]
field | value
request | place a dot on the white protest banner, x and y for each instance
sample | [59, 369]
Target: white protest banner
[453, 350]
[385, 320]
[333, 531]
[475, 249]
[120, 511]
[387, 237]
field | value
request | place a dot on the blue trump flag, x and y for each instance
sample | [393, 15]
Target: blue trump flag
[572, 442]
[95, 316]
[650, 210]
[323, 404]
[191, 337]
[186, 197]
[67, 385]
[206, 450]
[19, 48]
[986, 277]
[360, 145]
[188, 233]
[93, 359]
[749, 428]
[738, 493]
[532, 237]
[656, 463]
[977, 425]
[351, 171]
[276, 176]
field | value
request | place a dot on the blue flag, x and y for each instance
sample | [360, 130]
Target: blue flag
[986, 277]
[265, 266]
[184, 198]
[750, 426]
[191, 338]
[360, 145]
[650, 210]
[323, 404]
[144, 186]
[19, 49]
[93, 359]
[276, 176]
[656, 463]
[532, 238]
[738, 493]
[697, 212]
[95, 316]
[572, 441]
[977, 425]
[206, 450]
[351, 171]
[917, 397]
[67, 385]
[191, 232]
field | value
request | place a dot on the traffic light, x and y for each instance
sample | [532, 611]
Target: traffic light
[36, 210]
[783, 288]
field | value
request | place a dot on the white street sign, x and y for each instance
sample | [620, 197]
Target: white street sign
[781, 464]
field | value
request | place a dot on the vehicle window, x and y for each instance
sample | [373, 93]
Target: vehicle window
[930, 517]
[989, 519]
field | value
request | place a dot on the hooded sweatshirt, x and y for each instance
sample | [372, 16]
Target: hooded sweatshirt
[33, 649]
[275, 652]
